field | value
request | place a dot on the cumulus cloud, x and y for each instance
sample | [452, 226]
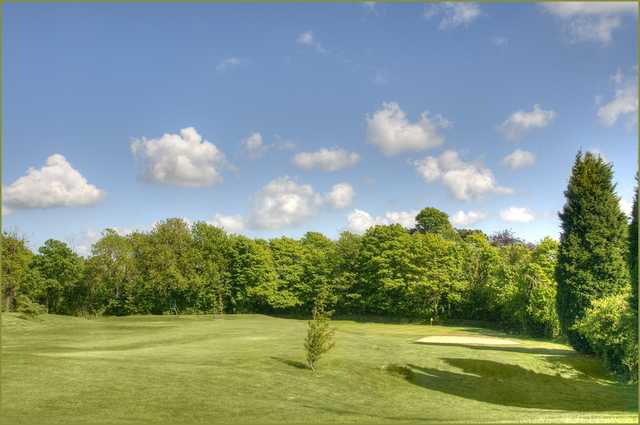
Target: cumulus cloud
[307, 39]
[341, 195]
[517, 215]
[453, 15]
[464, 180]
[229, 63]
[326, 159]
[390, 130]
[358, 221]
[253, 145]
[591, 21]
[56, 184]
[282, 203]
[230, 223]
[520, 122]
[519, 159]
[184, 159]
[623, 103]
[464, 219]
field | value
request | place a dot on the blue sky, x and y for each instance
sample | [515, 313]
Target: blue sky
[280, 119]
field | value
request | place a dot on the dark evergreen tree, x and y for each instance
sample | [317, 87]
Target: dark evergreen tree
[593, 245]
[633, 251]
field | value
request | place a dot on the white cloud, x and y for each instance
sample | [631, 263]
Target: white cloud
[464, 180]
[253, 145]
[230, 223]
[56, 184]
[519, 159]
[229, 63]
[520, 122]
[626, 207]
[464, 219]
[591, 21]
[282, 203]
[326, 159]
[184, 159]
[390, 130]
[307, 39]
[341, 195]
[624, 102]
[517, 215]
[453, 14]
[359, 221]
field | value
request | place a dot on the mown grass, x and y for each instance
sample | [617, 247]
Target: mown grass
[250, 369]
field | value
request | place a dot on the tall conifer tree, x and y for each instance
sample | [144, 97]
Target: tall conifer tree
[633, 251]
[592, 260]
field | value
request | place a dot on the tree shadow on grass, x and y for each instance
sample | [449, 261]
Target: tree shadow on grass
[563, 360]
[293, 363]
[511, 385]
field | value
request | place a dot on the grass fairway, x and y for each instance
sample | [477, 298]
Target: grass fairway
[248, 369]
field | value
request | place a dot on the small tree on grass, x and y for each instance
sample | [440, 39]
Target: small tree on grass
[319, 334]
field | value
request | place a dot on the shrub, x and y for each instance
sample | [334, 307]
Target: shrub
[28, 308]
[608, 327]
[319, 334]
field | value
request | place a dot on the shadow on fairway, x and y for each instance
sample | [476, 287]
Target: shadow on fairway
[563, 360]
[294, 363]
[510, 385]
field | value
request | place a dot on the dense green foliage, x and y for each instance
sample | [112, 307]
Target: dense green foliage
[16, 258]
[55, 279]
[432, 220]
[608, 326]
[390, 271]
[592, 261]
[28, 308]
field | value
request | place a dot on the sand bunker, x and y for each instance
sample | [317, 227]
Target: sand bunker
[470, 340]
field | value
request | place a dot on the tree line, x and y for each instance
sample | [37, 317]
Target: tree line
[432, 271]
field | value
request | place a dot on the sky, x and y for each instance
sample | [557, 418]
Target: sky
[273, 120]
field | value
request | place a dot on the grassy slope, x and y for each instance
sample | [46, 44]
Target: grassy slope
[200, 370]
